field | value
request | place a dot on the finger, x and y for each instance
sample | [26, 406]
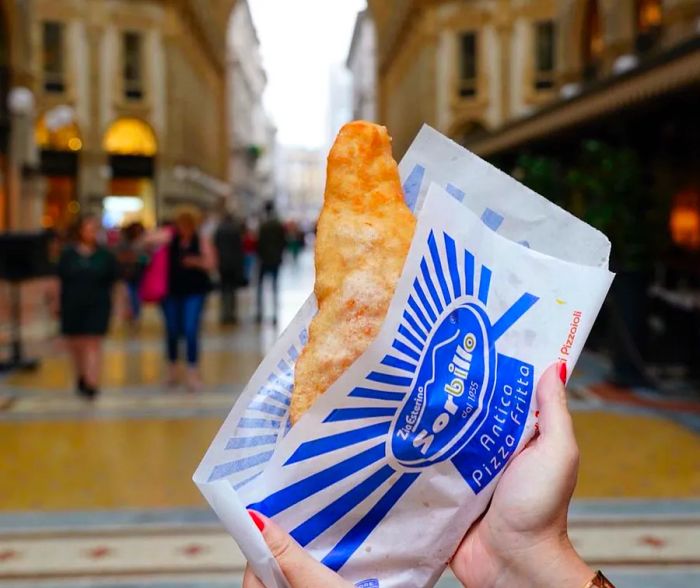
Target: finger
[300, 569]
[250, 580]
[556, 426]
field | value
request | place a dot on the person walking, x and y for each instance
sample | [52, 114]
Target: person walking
[250, 248]
[271, 243]
[132, 259]
[190, 259]
[87, 272]
[295, 240]
[229, 249]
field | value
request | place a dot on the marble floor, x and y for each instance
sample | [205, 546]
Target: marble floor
[101, 494]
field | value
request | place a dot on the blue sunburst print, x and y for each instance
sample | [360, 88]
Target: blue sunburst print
[441, 393]
[263, 424]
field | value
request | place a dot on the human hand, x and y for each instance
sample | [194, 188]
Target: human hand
[299, 568]
[522, 539]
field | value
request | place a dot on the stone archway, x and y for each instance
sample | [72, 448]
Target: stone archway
[130, 136]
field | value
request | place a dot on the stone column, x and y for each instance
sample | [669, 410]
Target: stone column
[93, 169]
[503, 24]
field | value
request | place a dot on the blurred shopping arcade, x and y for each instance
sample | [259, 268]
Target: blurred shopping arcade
[127, 109]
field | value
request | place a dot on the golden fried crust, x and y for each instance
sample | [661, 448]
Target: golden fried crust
[364, 232]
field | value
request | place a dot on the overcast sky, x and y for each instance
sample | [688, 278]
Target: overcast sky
[300, 41]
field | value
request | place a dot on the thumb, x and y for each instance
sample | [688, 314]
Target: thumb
[556, 426]
[300, 569]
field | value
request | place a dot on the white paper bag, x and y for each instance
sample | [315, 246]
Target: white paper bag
[383, 476]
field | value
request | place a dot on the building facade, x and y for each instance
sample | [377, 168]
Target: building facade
[462, 67]
[252, 134]
[129, 100]
[362, 63]
[302, 176]
[592, 103]
[339, 101]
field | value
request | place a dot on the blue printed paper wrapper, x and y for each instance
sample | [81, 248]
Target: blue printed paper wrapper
[383, 476]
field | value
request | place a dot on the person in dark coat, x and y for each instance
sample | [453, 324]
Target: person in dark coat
[87, 272]
[228, 241]
[271, 244]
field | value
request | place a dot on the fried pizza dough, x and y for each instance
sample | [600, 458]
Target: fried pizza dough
[364, 233]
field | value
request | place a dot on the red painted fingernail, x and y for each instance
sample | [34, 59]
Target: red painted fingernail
[537, 413]
[537, 427]
[259, 523]
[562, 372]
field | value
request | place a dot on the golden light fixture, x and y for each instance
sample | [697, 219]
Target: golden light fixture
[649, 14]
[684, 221]
[63, 138]
[130, 136]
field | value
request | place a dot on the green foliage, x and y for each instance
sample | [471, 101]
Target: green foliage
[606, 187]
[544, 175]
[254, 152]
[615, 197]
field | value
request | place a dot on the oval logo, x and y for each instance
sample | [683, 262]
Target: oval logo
[447, 399]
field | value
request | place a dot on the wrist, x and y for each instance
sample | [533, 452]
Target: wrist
[553, 562]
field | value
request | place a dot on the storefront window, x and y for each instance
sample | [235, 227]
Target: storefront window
[685, 220]
[133, 69]
[53, 57]
[649, 21]
[544, 55]
[132, 147]
[61, 138]
[130, 200]
[649, 15]
[593, 44]
[467, 64]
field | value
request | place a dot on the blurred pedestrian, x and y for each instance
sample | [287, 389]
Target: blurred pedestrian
[229, 249]
[191, 257]
[271, 243]
[295, 240]
[87, 272]
[132, 259]
[250, 248]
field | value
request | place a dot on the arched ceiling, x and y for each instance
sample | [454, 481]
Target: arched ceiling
[212, 18]
[390, 16]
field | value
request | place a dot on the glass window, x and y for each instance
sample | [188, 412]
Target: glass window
[649, 15]
[649, 23]
[544, 55]
[593, 43]
[133, 69]
[53, 56]
[467, 65]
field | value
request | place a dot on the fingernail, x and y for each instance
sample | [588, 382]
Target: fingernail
[259, 523]
[562, 372]
[537, 413]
